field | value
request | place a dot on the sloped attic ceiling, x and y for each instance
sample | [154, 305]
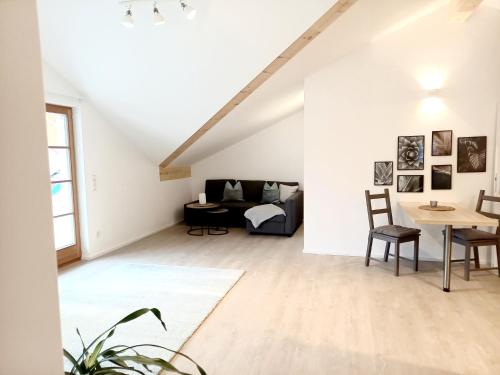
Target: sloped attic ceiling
[283, 95]
[159, 84]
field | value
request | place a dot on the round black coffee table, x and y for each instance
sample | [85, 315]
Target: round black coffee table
[217, 221]
[197, 217]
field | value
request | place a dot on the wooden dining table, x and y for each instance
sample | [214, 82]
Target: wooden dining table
[460, 216]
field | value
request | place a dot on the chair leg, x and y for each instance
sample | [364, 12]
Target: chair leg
[476, 258]
[467, 264]
[387, 248]
[415, 255]
[498, 257]
[396, 263]
[369, 250]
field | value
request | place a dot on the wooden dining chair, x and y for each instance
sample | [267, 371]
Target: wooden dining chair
[475, 238]
[390, 233]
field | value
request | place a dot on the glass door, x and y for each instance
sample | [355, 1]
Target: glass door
[63, 183]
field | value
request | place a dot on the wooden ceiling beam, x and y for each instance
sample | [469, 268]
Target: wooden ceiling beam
[334, 12]
[461, 10]
[174, 173]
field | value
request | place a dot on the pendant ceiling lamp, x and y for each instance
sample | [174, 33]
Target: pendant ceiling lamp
[157, 18]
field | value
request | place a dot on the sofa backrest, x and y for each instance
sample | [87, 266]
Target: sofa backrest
[252, 189]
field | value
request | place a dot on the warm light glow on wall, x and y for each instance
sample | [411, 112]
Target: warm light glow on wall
[431, 79]
[432, 105]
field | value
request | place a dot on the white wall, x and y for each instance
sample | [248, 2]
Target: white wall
[30, 338]
[275, 153]
[356, 108]
[121, 196]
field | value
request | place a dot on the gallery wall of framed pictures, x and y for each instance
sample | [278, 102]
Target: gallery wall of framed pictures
[471, 158]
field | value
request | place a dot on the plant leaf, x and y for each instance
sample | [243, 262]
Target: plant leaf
[132, 316]
[125, 348]
[110, 352]
[81, 340]
[111, 370]
[91, 360]
[143, 360]
[157, 313]
[73, 361]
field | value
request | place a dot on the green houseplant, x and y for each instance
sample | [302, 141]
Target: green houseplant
[95, 359]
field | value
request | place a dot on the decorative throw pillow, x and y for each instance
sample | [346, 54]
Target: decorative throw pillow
[270, 193]
[233, 193]
[287, 191]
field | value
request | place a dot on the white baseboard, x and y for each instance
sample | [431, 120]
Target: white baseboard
[125, 243]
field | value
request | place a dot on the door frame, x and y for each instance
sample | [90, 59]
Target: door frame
[71, 253]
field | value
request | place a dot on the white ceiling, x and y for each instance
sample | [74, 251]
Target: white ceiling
[160, 84]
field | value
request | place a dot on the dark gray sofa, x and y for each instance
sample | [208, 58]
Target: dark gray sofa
[252, 195]
[286, 225]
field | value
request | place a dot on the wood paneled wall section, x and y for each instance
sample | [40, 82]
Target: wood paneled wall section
[339, 8]
[174, 173]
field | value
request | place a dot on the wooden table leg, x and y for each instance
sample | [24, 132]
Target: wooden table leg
[447, 258]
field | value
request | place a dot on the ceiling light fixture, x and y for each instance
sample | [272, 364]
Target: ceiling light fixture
[158, 18]
[127, 19]
[188, 10]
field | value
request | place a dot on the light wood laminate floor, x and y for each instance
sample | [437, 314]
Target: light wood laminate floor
[294, 313]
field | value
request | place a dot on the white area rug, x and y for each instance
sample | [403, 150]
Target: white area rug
[92, 299]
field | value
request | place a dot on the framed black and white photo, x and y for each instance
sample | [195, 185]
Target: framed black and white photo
[471, 155]
[442, 142]
[441, 177]
[411, 183]
[383, 173]
[411, 152]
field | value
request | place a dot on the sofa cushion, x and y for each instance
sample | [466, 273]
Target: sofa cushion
[252, 190]
[241, 205]
[287, 191]
[232, 193]
[469, 234]
[277, 219]
[270, 193]
[279, 204]
[236, 212]
[214, 189]
[396, 231]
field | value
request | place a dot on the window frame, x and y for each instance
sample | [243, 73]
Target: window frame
[70, 253]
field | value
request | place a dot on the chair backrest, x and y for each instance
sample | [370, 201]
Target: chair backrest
[371, 212]
[479, 207]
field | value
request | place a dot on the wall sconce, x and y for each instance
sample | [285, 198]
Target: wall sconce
[433, 92]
